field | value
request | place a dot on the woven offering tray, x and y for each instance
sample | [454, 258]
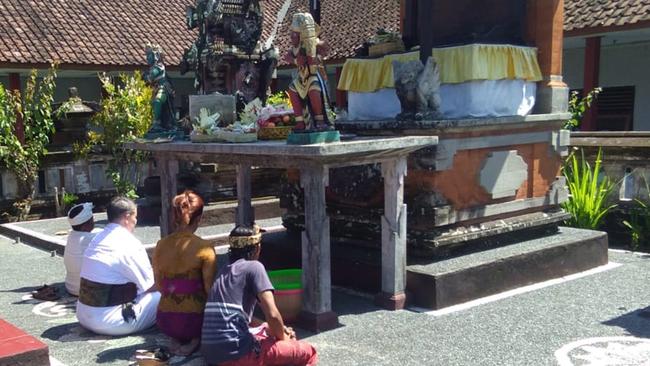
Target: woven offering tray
[225, 136]
[201, 138]
[274, 133]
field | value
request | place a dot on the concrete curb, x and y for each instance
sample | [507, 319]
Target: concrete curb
[33, 238]
[54, 244]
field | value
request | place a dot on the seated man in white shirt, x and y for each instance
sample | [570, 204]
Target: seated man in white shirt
[83, 231]
[117, 294]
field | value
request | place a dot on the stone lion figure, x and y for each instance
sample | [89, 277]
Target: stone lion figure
[418, 89]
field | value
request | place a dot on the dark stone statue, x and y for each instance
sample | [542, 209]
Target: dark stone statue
[162, 100]
[228, 45]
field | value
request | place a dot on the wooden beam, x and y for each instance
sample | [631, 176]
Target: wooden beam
[341, 95]
[409, 23]
[168, 168]
[591, 76]
[393, 236]
[425, 25]
[14, 84]
[402, 15]
[245, 214]
[316, 275]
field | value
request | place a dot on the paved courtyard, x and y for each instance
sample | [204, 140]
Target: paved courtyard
[593, 318]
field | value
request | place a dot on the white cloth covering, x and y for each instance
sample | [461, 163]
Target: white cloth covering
[114, 257]
[382, 104]
[480, 98]
[84, 215]
[487, 98]
[75, 247]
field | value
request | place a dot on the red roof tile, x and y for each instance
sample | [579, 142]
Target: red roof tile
[92, 32]
[585, 14]
[100, 32]
[345, 24]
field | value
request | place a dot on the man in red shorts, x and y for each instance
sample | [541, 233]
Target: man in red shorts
[226, 337]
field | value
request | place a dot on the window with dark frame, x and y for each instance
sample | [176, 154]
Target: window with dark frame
[615, 108]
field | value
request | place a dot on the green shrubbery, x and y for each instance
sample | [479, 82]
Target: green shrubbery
[639, 222]
[126, 114]
[588, 192]
[24, 158]
[578, 106]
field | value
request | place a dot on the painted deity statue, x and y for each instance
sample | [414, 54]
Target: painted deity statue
[163, 94]
[308, 90]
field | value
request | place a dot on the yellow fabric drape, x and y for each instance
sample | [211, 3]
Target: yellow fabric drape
[369, 75]
[457, 65]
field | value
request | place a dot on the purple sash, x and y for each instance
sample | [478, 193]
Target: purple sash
[181, 286]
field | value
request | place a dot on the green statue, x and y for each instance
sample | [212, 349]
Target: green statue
[164, 120]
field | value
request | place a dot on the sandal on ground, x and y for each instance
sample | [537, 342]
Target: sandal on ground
[156, 357]
[46, 293]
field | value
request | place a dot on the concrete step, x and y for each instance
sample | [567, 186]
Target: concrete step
[18, 348]
[467, 277]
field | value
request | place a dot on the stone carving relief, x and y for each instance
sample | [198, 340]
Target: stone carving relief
[503, 172]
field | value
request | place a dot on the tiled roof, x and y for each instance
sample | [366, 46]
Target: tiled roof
[100, 32]
[114, 32]
[345, 24]
[584, 14]
[91, 32]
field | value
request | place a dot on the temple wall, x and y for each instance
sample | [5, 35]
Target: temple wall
[625, 159]
[83, 176]
[461, 185]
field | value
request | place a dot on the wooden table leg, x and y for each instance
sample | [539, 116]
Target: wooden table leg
[393, 236]
[245, 214]
[317, 312]
[168, 189]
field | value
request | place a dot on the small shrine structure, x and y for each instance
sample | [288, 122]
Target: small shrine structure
[494, 177]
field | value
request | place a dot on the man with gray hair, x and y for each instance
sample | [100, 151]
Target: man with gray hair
[117, 293]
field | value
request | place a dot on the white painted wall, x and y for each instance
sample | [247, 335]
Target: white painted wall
[620, 65]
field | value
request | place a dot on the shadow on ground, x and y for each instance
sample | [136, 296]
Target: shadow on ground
[636, 322]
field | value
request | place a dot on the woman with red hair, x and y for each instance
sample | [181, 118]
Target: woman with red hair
[184, 268]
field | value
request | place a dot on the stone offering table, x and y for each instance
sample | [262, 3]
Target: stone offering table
[313, 162]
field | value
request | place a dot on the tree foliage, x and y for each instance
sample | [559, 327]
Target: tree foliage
[24, 158]
[126, 114]
[578, 106]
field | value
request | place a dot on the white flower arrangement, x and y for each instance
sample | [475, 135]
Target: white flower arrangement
[251, 111]
[205, 123]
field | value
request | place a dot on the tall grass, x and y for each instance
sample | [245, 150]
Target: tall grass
[588, 192]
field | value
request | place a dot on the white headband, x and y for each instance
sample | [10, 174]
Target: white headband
[83, 216]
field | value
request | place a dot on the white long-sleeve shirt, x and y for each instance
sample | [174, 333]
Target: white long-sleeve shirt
[75, 247]
[113, 257]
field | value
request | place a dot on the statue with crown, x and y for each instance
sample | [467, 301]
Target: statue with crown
[308, 90]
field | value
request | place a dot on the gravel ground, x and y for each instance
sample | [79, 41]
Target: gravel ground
[596, 319]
